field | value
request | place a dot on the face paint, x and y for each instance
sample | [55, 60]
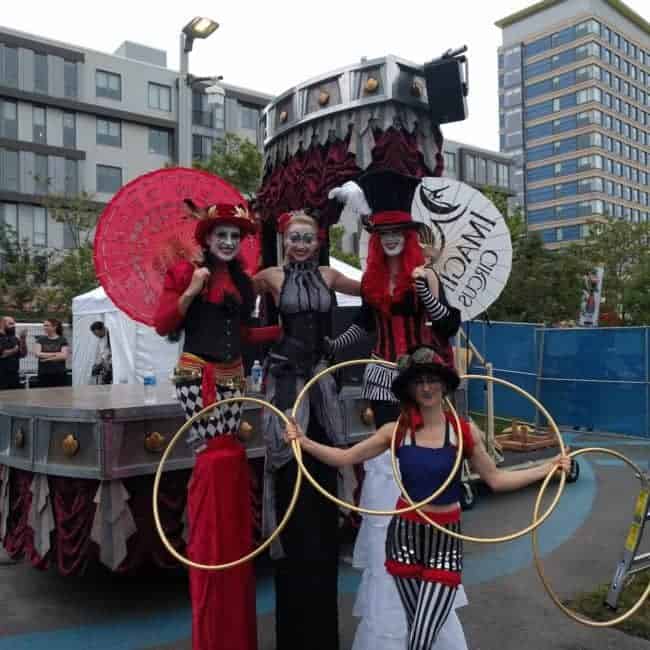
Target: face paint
[224, 242]
[392, 241]
[301, 242]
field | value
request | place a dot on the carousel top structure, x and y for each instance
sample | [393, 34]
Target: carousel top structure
[382, 89]
[366, 84]
[383, 112]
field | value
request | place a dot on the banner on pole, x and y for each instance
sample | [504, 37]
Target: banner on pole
[591, 295]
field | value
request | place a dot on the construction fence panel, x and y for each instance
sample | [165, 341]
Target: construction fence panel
[594, 379]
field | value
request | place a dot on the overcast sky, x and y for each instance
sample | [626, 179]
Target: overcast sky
[271, 46]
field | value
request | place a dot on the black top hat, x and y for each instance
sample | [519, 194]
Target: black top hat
[389, 195]
[423, 359]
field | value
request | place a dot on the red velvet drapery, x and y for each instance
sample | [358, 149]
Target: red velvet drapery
[72, 548]
[304, 179]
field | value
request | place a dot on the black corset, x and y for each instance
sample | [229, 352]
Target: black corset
[212, 331]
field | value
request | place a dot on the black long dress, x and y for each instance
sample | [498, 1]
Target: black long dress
[306, 573]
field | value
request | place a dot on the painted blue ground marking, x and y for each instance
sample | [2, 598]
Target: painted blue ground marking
[505, 559]
[169, 627]
[576, 440]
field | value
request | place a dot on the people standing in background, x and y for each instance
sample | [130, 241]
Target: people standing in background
[12, 349]
[52, 353]
[103, 367]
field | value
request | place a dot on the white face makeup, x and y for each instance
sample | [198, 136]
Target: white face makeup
[392, 241]
[223, 242]
[300, 242]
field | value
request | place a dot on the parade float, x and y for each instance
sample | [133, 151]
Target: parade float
[77, 464]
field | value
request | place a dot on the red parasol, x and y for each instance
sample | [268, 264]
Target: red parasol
[145, 229]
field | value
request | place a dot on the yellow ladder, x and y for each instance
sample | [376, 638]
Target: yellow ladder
[632, 563]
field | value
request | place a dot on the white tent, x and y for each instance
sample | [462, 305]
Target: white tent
[350, 272]
[137, 348]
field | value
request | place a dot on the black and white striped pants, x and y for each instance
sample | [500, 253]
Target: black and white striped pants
[426, 565]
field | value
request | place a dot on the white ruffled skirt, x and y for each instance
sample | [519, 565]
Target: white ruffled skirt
[383, 623]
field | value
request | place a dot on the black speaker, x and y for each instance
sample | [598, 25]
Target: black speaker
[447, 89]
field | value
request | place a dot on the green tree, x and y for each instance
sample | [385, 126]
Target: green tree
[78, 213]
[71, 271]
[23, 271]
[236, 160]
[621, 248]
[336, 247]
[70, 274]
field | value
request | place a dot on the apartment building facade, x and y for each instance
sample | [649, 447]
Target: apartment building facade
[73, 119]
[574, 112]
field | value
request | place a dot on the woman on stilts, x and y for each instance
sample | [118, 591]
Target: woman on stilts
[212, 301]
[307, 555]
[403, 305]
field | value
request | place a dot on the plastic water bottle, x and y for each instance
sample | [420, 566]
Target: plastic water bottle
[149, 381]
[256, 377]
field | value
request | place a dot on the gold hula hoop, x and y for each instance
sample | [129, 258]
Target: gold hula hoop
[352, 506]
[156, 484]
[538, 563]
[536, 522]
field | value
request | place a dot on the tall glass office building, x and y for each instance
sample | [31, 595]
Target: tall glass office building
[574, 110]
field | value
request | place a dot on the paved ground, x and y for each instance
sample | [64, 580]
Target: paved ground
[508, 608]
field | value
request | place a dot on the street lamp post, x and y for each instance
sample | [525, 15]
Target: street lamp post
[197, 28]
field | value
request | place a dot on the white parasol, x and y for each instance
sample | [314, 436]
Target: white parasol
[472, 238]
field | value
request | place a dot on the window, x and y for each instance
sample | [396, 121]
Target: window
[160, 97]
[512, 58]
[160, 142]
[513, 140]
[565, 36]
[491, 172]
[39, 125]
[40, 73]
[9, 69]
[39, 237]
[538, 46]
[71, 177]
[481, 170]
[512, 97]
[201, 147]
[587, 27]
[202, 115]
[470, 168]
[8, 120]
[41, 174]
[69, 130]
[512, 78]
[109, 132]
[108, 84]
[9, 214]
[249, 117]
[9, 170]
[109, 179]
[70, 84]
[450, 161]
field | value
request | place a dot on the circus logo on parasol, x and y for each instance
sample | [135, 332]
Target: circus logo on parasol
[472, 242]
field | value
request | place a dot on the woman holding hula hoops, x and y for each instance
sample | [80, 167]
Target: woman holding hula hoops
[425, 563]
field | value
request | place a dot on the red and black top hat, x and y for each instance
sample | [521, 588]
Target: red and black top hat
[389, 195]
[227, 214]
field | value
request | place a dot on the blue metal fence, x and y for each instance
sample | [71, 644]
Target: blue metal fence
[591, 378]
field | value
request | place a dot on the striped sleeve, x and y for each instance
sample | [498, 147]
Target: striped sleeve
[435, 309]
[352, 335]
